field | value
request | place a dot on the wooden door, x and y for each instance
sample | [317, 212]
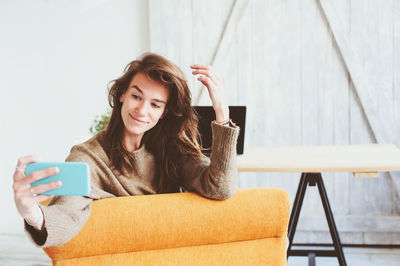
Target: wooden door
[285, 60]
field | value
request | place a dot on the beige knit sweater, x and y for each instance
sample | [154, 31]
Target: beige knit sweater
[214, 178]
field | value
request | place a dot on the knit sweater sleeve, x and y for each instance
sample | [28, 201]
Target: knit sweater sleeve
[65, 216]
[214, 178]
[63, 219]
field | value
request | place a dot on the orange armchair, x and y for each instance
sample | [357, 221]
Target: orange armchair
[182, 229]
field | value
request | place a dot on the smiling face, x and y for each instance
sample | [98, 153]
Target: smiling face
[143, 104]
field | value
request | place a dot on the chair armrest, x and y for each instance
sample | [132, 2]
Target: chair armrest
[138, 223]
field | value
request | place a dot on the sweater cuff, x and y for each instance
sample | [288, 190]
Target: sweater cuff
[38, 237]
[224, 142]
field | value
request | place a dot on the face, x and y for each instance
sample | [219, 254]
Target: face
[143, 104]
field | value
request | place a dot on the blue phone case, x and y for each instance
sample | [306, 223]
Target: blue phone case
[75, 178]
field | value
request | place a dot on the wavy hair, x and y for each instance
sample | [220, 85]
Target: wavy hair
[174, 136]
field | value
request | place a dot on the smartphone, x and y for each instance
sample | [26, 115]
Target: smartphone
[75, 177]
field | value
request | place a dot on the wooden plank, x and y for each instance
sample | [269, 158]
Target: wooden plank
[396, 72]
[164, 39]
[350, 238]
[352, 61]
[314, 51]
[245, 82]
[208, 27]
[324, 237]
[383, 238]
[280, 78]
[352, 223]
[339, 78]
[363, 87]
[257, 115]
[326, 101]
[374, 195]
[244, 61]
[230, 32]
[312, 54]
[383, 68]
[258, 111]
[396, 95]
[360, 131]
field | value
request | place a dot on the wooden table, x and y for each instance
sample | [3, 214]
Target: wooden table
[362, 160]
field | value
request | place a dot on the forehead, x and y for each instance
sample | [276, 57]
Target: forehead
[149, 86]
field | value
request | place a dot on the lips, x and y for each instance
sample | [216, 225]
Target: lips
[137, 120]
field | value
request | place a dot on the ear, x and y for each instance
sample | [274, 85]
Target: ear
[121, 99]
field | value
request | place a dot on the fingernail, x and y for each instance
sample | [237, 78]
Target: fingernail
[59, 183]
[56, 169]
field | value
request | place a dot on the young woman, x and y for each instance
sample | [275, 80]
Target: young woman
[149, 146]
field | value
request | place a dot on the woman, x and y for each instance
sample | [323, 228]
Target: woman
[149, 146]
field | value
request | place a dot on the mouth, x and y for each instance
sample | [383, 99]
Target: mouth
[137, 120]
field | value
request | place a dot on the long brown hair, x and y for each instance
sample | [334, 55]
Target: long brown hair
[174, 136]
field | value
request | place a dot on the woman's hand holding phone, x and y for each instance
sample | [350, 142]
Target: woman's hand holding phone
[27, 198]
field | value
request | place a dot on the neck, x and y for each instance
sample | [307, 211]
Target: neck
[131, 143]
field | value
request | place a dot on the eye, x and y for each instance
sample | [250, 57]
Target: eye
[155, 105]
[136, 97]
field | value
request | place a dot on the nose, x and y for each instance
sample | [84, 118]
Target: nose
[141, 108]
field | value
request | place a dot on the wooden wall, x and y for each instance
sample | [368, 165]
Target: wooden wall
[281, 61]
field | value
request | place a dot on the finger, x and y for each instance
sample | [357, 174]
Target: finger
[23, 161]
[18, 175]
[210, 85]
[198, 66]
[203, 72]
[40, 198]
[39, 189]
[19, 172]
[209, 72]
[31, 194]
[37, 175]
[206, 81]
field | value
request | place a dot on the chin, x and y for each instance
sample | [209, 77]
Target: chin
[135, 131]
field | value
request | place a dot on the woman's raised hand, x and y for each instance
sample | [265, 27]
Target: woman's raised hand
[215, 88]
[27, 198]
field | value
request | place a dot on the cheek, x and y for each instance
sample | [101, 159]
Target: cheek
[123, 107]
[156, 115]
[125, 111]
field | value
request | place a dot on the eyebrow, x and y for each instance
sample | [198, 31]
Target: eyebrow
[157, 100]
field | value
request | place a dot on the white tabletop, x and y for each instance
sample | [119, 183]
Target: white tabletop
[363, 160]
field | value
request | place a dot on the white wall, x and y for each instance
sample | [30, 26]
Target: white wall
[56, 58]
[282, 62]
